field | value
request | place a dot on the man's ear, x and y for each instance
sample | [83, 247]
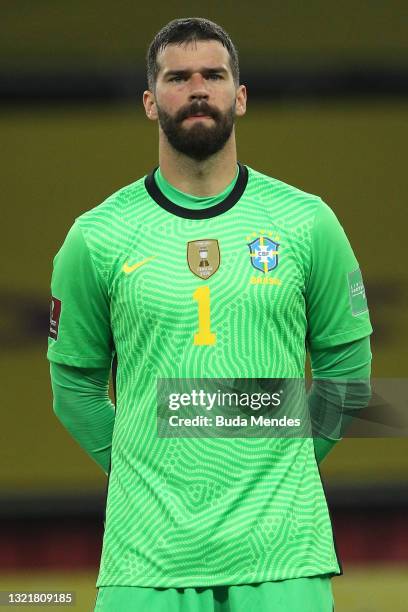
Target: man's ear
[149, 104]
[240, 101]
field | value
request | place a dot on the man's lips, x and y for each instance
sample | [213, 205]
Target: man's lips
[195, 117]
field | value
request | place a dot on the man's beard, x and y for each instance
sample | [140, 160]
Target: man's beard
[198, 141]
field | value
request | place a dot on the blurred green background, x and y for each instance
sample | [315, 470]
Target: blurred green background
[106, 34]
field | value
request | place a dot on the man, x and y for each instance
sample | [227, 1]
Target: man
[206, 269]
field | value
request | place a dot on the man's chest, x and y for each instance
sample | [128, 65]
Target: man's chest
[210, 281]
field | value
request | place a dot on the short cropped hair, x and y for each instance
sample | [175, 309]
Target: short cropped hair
[185, 30]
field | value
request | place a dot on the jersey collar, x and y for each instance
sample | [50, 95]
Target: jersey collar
[205, 213]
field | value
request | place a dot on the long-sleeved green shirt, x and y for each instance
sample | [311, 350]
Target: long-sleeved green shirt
[82, 403]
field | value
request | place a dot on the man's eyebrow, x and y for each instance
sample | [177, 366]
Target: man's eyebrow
[204, 70]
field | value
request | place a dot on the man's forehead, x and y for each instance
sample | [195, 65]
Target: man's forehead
[194, 54]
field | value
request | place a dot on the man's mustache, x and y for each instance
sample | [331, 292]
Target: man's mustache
[196, 109]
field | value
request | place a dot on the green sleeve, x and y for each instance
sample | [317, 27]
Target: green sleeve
[82, 404]
[341, 380]
[80, 332]
[336, 305]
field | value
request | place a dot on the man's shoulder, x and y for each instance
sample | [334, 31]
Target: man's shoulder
[264, 183]
[110, 228]
[115, 208]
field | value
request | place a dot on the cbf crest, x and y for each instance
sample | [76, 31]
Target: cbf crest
[264, 253]
[203, 257]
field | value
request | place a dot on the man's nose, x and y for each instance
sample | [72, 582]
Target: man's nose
[198, 87]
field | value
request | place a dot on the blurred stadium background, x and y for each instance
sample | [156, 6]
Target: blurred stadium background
[328, 102]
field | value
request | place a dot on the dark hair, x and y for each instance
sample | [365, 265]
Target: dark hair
[185, 30]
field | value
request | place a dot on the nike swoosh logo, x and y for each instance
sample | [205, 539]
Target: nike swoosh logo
[128, 269]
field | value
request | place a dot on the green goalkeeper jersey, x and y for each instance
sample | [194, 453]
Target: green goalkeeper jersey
[239, 289]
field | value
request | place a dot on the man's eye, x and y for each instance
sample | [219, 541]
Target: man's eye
[179, 78]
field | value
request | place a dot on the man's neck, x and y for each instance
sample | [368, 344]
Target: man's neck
[199, 178]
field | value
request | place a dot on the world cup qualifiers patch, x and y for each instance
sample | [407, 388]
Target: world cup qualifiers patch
[55, 312]
[358, 300]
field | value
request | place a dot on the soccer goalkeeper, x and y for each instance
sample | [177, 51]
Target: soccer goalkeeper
[206, 268]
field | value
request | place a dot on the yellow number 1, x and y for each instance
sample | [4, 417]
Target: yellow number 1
[204, 336]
